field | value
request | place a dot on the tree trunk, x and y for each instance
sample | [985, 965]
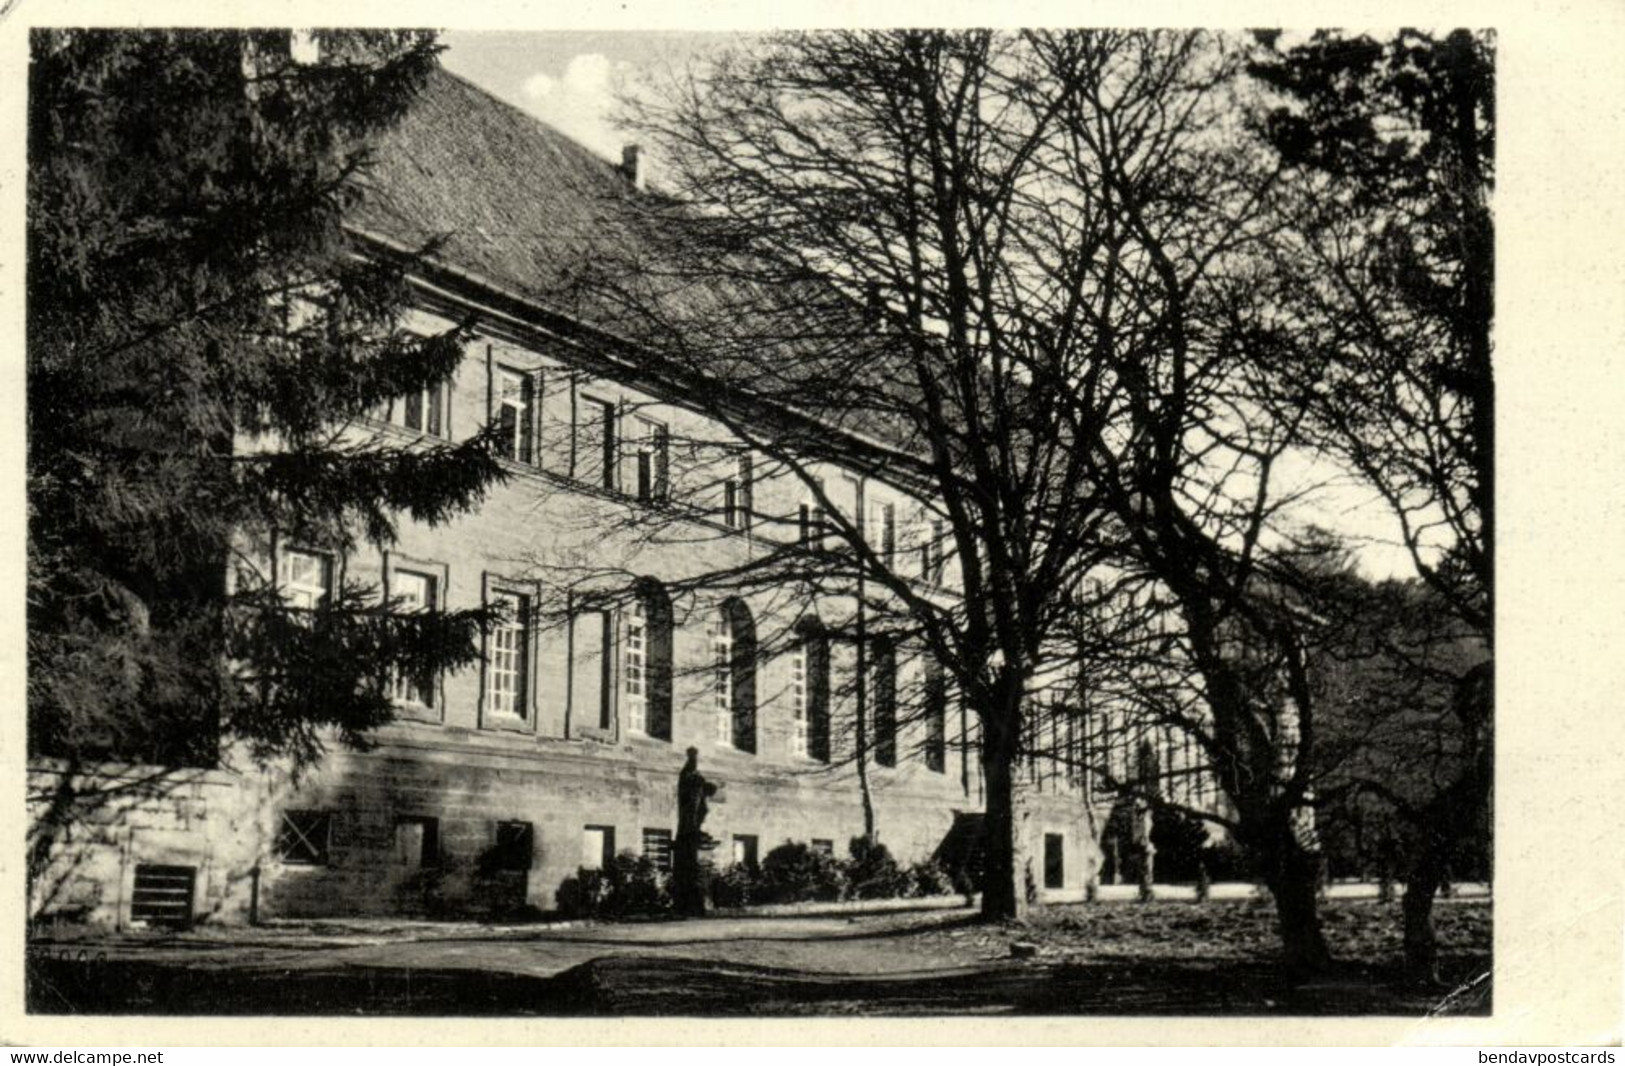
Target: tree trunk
[1004, 889]
[1421, 943]
[1148, 855]
[1293, 881]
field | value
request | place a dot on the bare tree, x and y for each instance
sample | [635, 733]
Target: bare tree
[879, 237]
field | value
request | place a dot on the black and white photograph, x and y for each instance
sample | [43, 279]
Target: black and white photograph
[800, 523]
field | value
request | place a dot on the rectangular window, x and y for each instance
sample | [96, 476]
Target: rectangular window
[307, 579]
[515, 847]
[507, 662]
[745, 850]
[657, 848]
[304, 838]
[933, 554]
[737, 496]
[884, 679]
[515, 404]
[599, 444]
[810, 526]
[936, 719]
[597, 846]
[884, 519]
[654, 461]
[417, 841]
[422, 411]
[414, 592]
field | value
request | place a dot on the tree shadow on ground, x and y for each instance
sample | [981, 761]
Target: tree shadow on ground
[654, 985]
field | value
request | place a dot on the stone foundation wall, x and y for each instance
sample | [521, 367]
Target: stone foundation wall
[92, 831]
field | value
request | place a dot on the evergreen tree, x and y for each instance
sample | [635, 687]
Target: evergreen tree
[201, 343]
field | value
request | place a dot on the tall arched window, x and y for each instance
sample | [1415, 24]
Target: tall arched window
[646, 661]
[809, 691]
[936, 717]
[884, 674]
[733, 686]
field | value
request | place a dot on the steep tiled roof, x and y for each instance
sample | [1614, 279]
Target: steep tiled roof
[522, 207]
[517, 202]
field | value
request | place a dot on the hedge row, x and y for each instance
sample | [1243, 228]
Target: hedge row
[633, 886]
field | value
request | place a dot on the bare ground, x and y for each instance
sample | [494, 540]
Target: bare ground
[1100, 958]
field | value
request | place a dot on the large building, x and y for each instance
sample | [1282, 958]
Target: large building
[563, 746]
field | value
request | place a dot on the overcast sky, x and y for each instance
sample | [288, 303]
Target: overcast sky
[569, 80]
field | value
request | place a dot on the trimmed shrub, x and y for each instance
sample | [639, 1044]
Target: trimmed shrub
[630, 887]
[873, 873]
[735, 886]
[637, 887]
[929, 879]
[797, 873]
[583, 895]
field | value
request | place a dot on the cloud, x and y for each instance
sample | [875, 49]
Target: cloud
[579, 101]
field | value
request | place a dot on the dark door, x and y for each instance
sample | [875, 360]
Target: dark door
[1054, 861]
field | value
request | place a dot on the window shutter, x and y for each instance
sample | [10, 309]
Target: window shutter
[608, 660]
[490, 382]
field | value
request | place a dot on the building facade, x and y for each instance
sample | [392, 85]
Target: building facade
[618, 652]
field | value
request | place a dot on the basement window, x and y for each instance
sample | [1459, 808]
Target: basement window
[305, 837]
[515, 846]
[163, 894]
[417, 841]
[597, 846]
[657, 848]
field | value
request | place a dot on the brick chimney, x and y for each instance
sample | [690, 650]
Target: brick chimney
[632, 165]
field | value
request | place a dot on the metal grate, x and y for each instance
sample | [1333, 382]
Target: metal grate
[657, 848]
[163, 894]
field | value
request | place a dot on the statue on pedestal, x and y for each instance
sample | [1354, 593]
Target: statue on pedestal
[693, 794]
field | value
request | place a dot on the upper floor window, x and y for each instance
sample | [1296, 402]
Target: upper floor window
[809, 690]
[936, 718]
[733, 686]
[507, 660]
[413, 591]
[810, 521]
[653, 457]
[883, 517]
[307, 579]
[933, 548]
[799, 699]
[423, 411]
[883, 672]
[646, 662]
[515, 402]
[597, 444]
[738, 496]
